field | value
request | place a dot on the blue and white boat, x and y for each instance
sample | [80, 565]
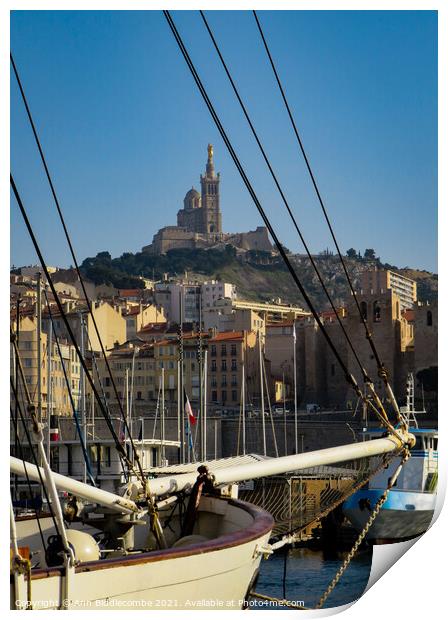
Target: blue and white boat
[410, 505]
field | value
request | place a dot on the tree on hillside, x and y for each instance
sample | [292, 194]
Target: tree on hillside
[369, 254]
[351, 253]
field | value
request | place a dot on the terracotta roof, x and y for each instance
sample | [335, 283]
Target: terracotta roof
[129, 292]
[132, 311]
[160, 343]
[154, 327]
[223, 336]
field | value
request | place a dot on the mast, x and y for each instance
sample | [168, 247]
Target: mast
[243, 398]
[49, 391]
[162, 421]
[284, 414]
[296, 438]
[263, 424]
[83, 394]
[131, 397]
[179, 406]
[39, 348]
[201, 407]
[126, 374]
[204, 440]
[16, 382]
[181, 374]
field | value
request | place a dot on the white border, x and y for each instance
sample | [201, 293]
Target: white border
[414, 586]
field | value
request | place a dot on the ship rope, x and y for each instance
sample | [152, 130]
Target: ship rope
[82, 438]
[280, 248]
[155, 524]
[139, 472]
[78, 271]
[382, 372]
[283, 197]
[380, 503]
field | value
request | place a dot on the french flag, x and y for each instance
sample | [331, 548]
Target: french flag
[54, 428]
[189, 410]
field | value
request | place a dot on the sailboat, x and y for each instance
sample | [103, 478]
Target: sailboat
[178, 541]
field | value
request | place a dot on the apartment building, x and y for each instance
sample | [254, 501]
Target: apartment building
[376, 281]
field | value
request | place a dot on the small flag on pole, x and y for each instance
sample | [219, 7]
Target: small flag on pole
[188, 409]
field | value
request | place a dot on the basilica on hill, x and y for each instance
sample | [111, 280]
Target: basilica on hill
[199, 223]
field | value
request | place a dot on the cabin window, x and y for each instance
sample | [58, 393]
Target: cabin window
[435, 443]
[363, 311]
[429, 318]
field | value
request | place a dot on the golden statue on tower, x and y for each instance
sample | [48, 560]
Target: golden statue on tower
[210, 151]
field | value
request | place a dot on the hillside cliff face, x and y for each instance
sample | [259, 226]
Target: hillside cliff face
[257, 275]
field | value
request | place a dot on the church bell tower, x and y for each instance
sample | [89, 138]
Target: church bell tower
[211, 216]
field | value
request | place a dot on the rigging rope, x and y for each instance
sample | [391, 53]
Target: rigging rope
[82, 438]
[283, 197]
[118, 445]
[382, 372]
[349, 377]
[75, 262]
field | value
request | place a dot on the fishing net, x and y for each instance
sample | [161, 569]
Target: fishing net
[298, 499]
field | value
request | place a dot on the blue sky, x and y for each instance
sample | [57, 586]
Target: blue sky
[125, 130]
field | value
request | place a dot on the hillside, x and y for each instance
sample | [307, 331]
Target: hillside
[257, 275]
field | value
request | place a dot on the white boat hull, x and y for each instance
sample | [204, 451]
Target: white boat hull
[215, 574]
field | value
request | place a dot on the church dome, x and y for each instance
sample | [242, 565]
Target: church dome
[192, 193]
[192, 199]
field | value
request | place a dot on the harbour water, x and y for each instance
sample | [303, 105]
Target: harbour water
[308, 574]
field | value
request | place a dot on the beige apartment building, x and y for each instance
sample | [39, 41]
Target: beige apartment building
[279, 348]
[59, 403]
[229, 355]
[134, 373]
[377, 281]
[223, 316]
[109, 320]
[137, 316]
